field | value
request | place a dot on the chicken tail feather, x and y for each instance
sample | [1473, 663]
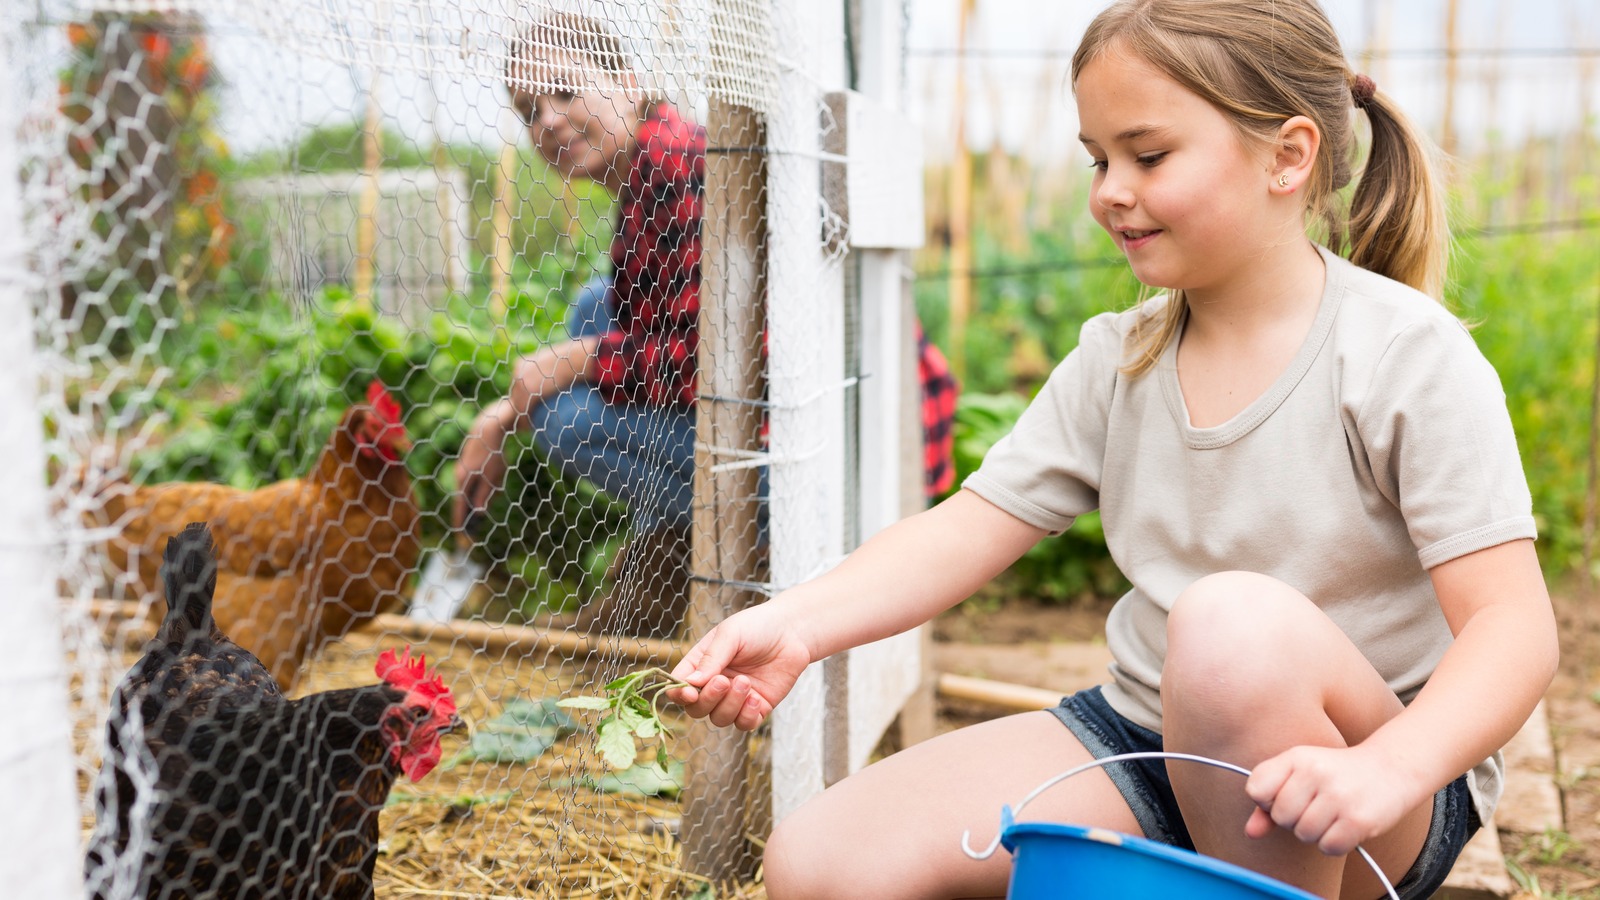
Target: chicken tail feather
[189, 569]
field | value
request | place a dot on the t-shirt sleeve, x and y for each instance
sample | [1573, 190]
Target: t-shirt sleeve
[1046, 471]
[1439, 439]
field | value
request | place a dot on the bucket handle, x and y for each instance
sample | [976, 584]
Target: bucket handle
[1007, 813]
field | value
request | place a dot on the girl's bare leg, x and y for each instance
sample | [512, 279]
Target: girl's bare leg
[1253, 668]
[894, 829]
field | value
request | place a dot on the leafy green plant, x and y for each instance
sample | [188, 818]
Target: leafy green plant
[521, 734]
[632, 715]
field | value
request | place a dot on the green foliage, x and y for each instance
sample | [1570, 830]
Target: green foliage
[1022, 323]
[256, 392]
[632, 715]
[1533, 299]
[521, 734]
[139, 90]
[550, 219]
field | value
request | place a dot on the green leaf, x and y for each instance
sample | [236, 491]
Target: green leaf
[631, 716]
[542, 713]
[615, 743]
[521, 733]
[644, 780]
[586, 703]
[625, 681]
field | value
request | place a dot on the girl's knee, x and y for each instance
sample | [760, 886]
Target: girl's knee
[787, 869]
[1234, 629]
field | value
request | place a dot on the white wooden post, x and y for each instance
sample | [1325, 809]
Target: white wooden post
[39, 841]
[805, 291]
[837, 713]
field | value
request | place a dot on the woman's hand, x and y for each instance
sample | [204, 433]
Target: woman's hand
[481, 467]
[1334, 798]
[742, 668]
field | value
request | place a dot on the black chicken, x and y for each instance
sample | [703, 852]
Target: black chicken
[214, 785]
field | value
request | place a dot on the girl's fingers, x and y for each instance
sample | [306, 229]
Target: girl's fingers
[1260, 824]
[708, 658]
[1314, 822]
[753, 713]
[732, 703]
[1265, 782]
[707, 697]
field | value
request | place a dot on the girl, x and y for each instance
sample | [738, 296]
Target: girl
[1304, 467]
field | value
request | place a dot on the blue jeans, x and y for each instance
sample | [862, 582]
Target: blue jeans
[1148, 790]
[642, 455]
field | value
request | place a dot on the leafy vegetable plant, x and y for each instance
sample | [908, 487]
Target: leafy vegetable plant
[634, 715]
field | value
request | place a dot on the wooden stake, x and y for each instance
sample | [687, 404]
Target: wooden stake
[505, 186]
[960, 220]
[487, 637]
[1452, 44]
[724, 554]
[367, 215]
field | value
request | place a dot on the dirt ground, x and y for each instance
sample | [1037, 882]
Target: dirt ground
[1557, 866]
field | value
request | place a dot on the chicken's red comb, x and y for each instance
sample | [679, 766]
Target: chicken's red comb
[414, 676]
[382, 403]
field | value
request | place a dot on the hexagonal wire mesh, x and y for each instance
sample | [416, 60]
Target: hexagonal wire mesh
[507, 333]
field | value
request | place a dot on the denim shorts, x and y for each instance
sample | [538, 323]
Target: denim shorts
[1148, 790]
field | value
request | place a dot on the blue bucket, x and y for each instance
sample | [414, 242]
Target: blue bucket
[1050, 860]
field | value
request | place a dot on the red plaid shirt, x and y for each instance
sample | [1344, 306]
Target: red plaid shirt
[939, 391]
[655, 256]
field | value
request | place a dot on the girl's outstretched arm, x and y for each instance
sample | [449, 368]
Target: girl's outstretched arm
[901, 578]
[1485, 687]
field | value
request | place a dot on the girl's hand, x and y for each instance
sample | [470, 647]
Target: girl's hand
[1334, 798]
[741, 669]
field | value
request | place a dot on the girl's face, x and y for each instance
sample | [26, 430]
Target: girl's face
[1175, 185]
[584, 128]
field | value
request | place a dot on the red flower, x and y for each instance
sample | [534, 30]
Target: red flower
[193, 70]
[158, 46]
[80, 35]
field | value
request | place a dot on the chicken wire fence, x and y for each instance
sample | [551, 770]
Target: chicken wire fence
[502, 349]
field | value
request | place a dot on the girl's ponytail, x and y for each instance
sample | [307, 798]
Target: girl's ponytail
[1397, 216]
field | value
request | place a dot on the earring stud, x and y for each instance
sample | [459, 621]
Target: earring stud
[1283, 179]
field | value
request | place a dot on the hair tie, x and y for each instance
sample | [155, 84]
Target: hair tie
[1362, 90]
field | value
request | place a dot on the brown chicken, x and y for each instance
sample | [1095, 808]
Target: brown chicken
[301, 562]
[214, 785]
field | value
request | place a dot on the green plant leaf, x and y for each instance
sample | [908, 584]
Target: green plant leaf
[521, 733]
[585, 703]
[643, 780]
[615, 743]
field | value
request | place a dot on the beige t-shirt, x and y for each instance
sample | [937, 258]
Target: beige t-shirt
[1384, 449]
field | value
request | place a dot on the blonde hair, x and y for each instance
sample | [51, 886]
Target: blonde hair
[589, 38]
[1261, 62]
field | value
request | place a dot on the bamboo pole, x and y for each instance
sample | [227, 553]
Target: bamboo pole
[724, 555]
[505, 186]
[1002, 694]
[485, 636]
[960, 214]
[367, 214]
[444, 200]
[1452, 72]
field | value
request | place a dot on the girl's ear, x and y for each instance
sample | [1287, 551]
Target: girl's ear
[1299, 139]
